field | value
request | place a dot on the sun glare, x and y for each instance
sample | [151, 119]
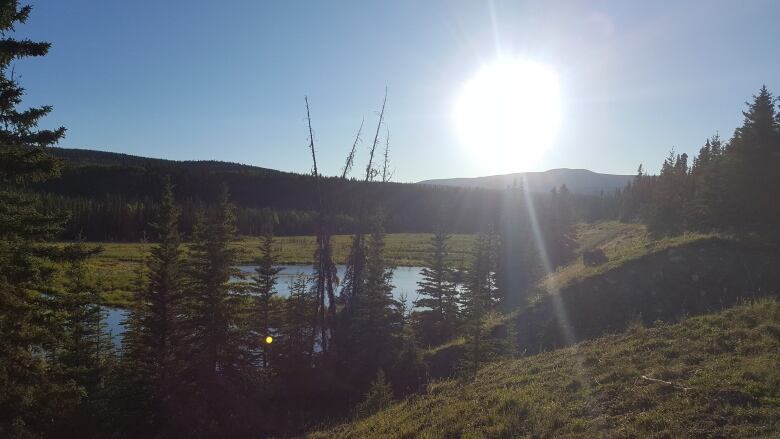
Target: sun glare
[509, 113]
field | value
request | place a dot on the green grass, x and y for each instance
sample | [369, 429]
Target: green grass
[723, 370]
[118, 264]
[621, 242]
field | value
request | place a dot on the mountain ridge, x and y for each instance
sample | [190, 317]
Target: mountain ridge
[577, 180]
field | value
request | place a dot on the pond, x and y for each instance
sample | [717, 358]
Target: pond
[404, 283]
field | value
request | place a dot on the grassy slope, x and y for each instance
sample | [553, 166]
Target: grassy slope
[728, 363]
[621, 242]
[119, 262]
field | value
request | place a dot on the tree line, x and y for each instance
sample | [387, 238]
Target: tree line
[113, 218]
[731, 186]
[119, 218]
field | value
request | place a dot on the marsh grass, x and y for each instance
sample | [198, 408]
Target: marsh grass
[118, 264]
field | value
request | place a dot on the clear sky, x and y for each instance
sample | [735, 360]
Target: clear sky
[198, 79]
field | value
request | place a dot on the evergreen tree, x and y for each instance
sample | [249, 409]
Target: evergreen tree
[556, 224]
[374, 334]
[292, 351]
[153, 341]
[31, 396]
[220, 358]
[439, 296]
[378, 397]
[706, 209]
[409, 373]
[264, 289]
[86, 351]
[636, 196]
[297, 334]
[752, 160]
[517, 263]
[478, 300]
[666, 213]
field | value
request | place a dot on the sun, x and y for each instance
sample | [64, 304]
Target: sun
[508, 114]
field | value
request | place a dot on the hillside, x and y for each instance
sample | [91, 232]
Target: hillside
[75, 157]
[578, 181]
[709, 376]
[115, 179]
[643, 279]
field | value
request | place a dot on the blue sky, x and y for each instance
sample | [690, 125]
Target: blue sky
[201, 79]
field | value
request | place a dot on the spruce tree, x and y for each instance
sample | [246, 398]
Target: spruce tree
[378, 397]
[557, 221]
[297, 333]
[517, 263]
[438, 294]
[31, 396]
[752, 161]
[264, 289]
[707, 208]
[666, 212]
[219, 342]
[376, 327]
[86, 351]
[153, 341]
[409, 373]
[478, 300]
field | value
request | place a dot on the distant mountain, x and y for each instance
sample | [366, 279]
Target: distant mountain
[578, 181]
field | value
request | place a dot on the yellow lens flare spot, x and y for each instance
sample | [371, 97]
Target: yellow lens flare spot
[269, 340]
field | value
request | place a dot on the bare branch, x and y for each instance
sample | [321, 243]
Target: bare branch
[370, 171]
[311, 138]
[351, 156]
[386, 173]
[668, 383]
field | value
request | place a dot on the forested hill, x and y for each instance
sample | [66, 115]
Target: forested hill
[74, 157]
[578, 181]
[99, 188]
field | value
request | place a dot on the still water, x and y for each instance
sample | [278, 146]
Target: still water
[404, 283]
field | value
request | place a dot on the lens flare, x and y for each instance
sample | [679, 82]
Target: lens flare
[509, 113]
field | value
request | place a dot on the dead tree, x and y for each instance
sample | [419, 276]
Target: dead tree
[386, 173]
[354, 276]
[325, 269]
[351, 156]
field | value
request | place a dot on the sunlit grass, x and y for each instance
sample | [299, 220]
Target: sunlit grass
[621, 242]
[118, 264]
[722, 368]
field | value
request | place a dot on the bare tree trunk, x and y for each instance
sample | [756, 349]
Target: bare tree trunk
[351, 156]
[359, 238]
[321, 251]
